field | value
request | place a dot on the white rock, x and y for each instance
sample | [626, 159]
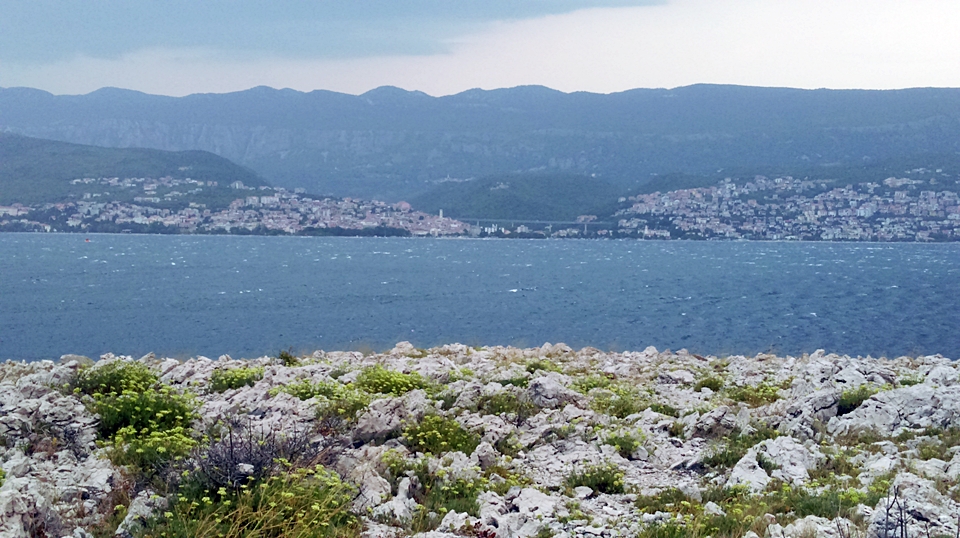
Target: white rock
[747, 472]
[582, 492]
[400, 509]
[713, 509]
[793, 459]
[534, 502]
[546, 391]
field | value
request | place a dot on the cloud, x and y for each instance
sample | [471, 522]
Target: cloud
[56, 30]
[796, 43]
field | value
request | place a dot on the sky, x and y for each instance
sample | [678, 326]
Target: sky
[441, 47]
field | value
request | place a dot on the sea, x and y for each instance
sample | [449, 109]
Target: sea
[248, 296]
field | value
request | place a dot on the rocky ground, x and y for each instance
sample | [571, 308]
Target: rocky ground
[500, 441]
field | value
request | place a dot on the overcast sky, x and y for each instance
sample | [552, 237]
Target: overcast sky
[177, 47]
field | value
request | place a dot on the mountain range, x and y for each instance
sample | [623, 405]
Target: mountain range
[393, 144]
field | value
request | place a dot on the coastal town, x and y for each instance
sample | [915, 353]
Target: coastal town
[160, 206]
[921, 208]
[785, 208]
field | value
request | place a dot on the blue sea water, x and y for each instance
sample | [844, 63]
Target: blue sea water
[247, 296]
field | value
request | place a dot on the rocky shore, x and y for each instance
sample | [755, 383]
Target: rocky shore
[489, 442]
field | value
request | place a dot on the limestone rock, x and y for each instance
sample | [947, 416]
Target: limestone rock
[747, 472]
[385, 417]
[792, 459]
[889, 412]
[143, 507]
[547, 392]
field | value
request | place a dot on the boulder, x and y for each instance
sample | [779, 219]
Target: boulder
[747, 472]
[385, 417]
[805, 417]
[926, 511]
[401, 508]
[889, 412]
[549, 393]
[143, 507]
[677, 377]
[792, 459]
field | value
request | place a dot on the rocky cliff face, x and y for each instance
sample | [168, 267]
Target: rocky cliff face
[501, 441]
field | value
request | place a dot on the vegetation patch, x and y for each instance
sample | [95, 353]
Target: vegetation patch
[114, 377]
[620, 401]
[711, 382]
[379, 380]
[757, 395]
[146, 424]
[851, 399]
[542, 364]
[735, 446]
[665, 409]
[911, 380]
[288, 359]
[224, 379]
[585, 384]
[307, 502]
[604, 478]
[625, 443]
[436, 434]
[437, 493]
[939, 443]
[508, 404]
[743, 512]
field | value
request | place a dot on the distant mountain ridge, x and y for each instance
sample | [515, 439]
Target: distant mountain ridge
[392, 144]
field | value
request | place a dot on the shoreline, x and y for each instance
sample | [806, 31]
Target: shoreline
[468, 237]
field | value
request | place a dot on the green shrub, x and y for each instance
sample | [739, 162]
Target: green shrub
[440, 497]
[288, 359]
[505, 403]
[677, 429]
[711, 382]
[665, 409]
[851, 399]
[150, 451]
[604, 478]
[436, 435]
[508, 446]
[669, 500]
[115, 377]
[437, 494]
[909, 381]
[755, 395]
[151, 410]
[379, 380]
[736, 445]
[625, 444]
[2, 476]
[838, 463]
[585, 384]
[542, 364]
[342, 409]
[144, 424]
[940, 443]
[304, 389]
[311, 502]
[224, 379]
[518, 381]
[618, 400]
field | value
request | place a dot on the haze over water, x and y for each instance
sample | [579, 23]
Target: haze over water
[247, 296]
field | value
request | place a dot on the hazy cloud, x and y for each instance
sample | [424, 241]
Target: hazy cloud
[42, 31]
[796, 43]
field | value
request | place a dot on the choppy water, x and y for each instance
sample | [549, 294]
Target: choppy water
[246, 296]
